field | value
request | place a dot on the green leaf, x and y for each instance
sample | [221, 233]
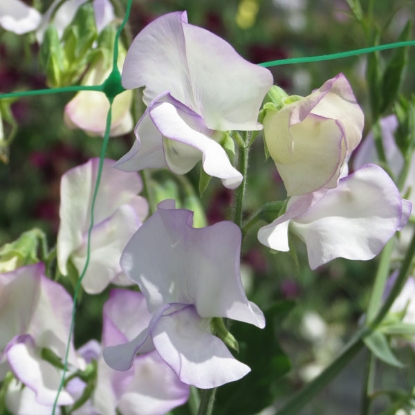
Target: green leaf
[229, 146]
[260, 350]
[272, 210]
[204, 180]
[373, 78]
[399, 329]
[379, 346]
[52, 57]
[356, 8]
[392, 76]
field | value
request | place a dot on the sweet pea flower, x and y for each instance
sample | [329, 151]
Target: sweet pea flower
[149, 387]
[311, 139]
[118, 213]
[196, 88]
[88, 109]
[188, 276]
[35, 313]
[17, 17]
[353, 221]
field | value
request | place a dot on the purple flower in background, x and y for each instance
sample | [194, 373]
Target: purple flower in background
[366, 153]
[196, 88]
[311, 139]
[353, 221]
[188, 276]
[119, 212]
[35, 313]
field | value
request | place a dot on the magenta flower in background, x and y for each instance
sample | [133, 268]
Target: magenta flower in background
[196, 88]
[311, 139]
[17, 17]
[119, 212]
[188, 276]
[35, 313]
[353, 221]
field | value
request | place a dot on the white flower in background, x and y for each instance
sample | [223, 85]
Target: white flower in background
[17, 17]
[119, 212]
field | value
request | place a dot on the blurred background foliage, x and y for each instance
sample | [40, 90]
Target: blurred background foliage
[327, 303]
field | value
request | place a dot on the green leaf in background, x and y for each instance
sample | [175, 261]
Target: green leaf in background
[392, 76]
[229, 146]
[204, 180]
[356, 8]
[52, 57]
[260, 350]
[399, 329]
[379, 346]
[404, 110]
[373, 78]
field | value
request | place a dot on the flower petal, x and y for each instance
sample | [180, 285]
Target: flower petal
[147, 151]
[104, 13]
[184, 341]
[108, 240]
[173, 262]
[77, 187]
[353, 221]
[17, 17]
[39, 375]
[167, 56]
[189, 132]
[154, 390]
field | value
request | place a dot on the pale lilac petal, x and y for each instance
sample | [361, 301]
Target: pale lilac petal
[175, 263]
[110, 387]
[189, 129]
[37, 374]
[154, 390]
[17, 17]
[366, 152]
[90, 351]
[275, 235]
[407, 207]
[124, 315]
[104, 13]
[185, 342]
[167, 56]
[147, 150]
[353, 221]
[23, 401]
[108, 240]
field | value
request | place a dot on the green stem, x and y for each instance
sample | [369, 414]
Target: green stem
[194, 400]
[147, 192]
[240, 191]
[300, 399]
[380, 281]
[368, 384]
[207, 398]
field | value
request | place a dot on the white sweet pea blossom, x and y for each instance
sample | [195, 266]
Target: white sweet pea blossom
[353, 221]
[88, 109]
[196, 88]
[149, 387]
[311, 139]
[35, 313]
[17, 17]
[188, 276]
[119, 212]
